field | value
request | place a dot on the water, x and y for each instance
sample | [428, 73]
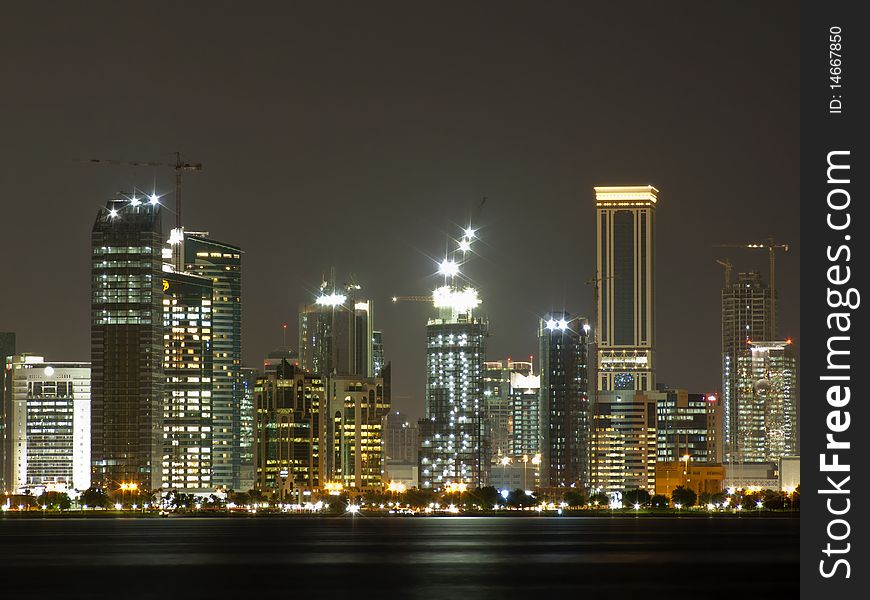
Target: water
[403, 557]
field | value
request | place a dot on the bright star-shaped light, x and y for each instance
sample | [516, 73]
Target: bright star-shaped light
[465, 245]
[552, 324]
[154, 199]
[113, 213]
[563, 324]
[469, 232]
[448, 268]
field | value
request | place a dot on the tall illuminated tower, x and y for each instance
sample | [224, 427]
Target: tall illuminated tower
[222, 264]
[452, 433]
[188, 401]
[745, 316]
[564, 401]
[127, 343]
[625, 224]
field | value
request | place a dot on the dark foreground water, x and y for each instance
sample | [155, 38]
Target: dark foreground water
[412, 557]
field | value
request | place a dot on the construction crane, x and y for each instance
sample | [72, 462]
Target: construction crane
[771, 246]
[728, 270]
[179, 166]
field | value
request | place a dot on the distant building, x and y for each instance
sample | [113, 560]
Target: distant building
[49, 422]
[625, 223]
[752, 476]
[766, 396]
[377, 353]
[222, 264]
[246, 429]
[497, 408]
[336, 334]
[127, 344]
[746, 313]
[525, 420]
[789, 473]
[401, 447]
[188, 372]
[7, 349]
[352, 431]
[624, 440]
[452, 449]
[699, 477]
[512, 473]
[401, 438]
[689, 425]
[564, 400]
[287, 425]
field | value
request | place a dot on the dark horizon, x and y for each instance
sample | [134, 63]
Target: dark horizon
[361, 139]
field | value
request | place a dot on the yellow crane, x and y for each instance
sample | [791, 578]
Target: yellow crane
[771, 246]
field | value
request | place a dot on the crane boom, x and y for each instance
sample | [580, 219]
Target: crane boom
[771, 246]
[413, 299]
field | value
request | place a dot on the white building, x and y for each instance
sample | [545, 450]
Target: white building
[49, 413]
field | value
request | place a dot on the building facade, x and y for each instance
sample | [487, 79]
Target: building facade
[352, 431]
[689, 425]
[746, 312]
[564, 400]
[766, 402]
[7, 349]
[287, 429]
[246, 429]
[624, 441]
[188, 372]
[336, 334]
[625, 224]
[497, 407]
[377, 353]
[49, 422]
[525, 422]
[222, 264]
[453, 441]
[127, 344]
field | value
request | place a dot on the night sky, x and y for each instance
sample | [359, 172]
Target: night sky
[361, 137]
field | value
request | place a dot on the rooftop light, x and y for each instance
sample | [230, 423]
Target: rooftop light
[448, 268]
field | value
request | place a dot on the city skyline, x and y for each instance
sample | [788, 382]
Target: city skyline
[416, 163]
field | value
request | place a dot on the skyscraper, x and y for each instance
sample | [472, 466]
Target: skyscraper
[497, 402]
[336, 333]
[766, 399]
[525, 401]
[564, 400]
[188, 371]
[626, 291]
[127, 344]
[455, 347]
[49, 422]
[7, 348]
[377, 353]
[689, 425]
[623, 441]
[453, 431]
[401, 437]
[246, 429]
[222, 264]
[287, 429]
[745, 316]
[352, 431]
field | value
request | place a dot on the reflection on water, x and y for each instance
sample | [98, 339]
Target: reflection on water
[419, 557]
